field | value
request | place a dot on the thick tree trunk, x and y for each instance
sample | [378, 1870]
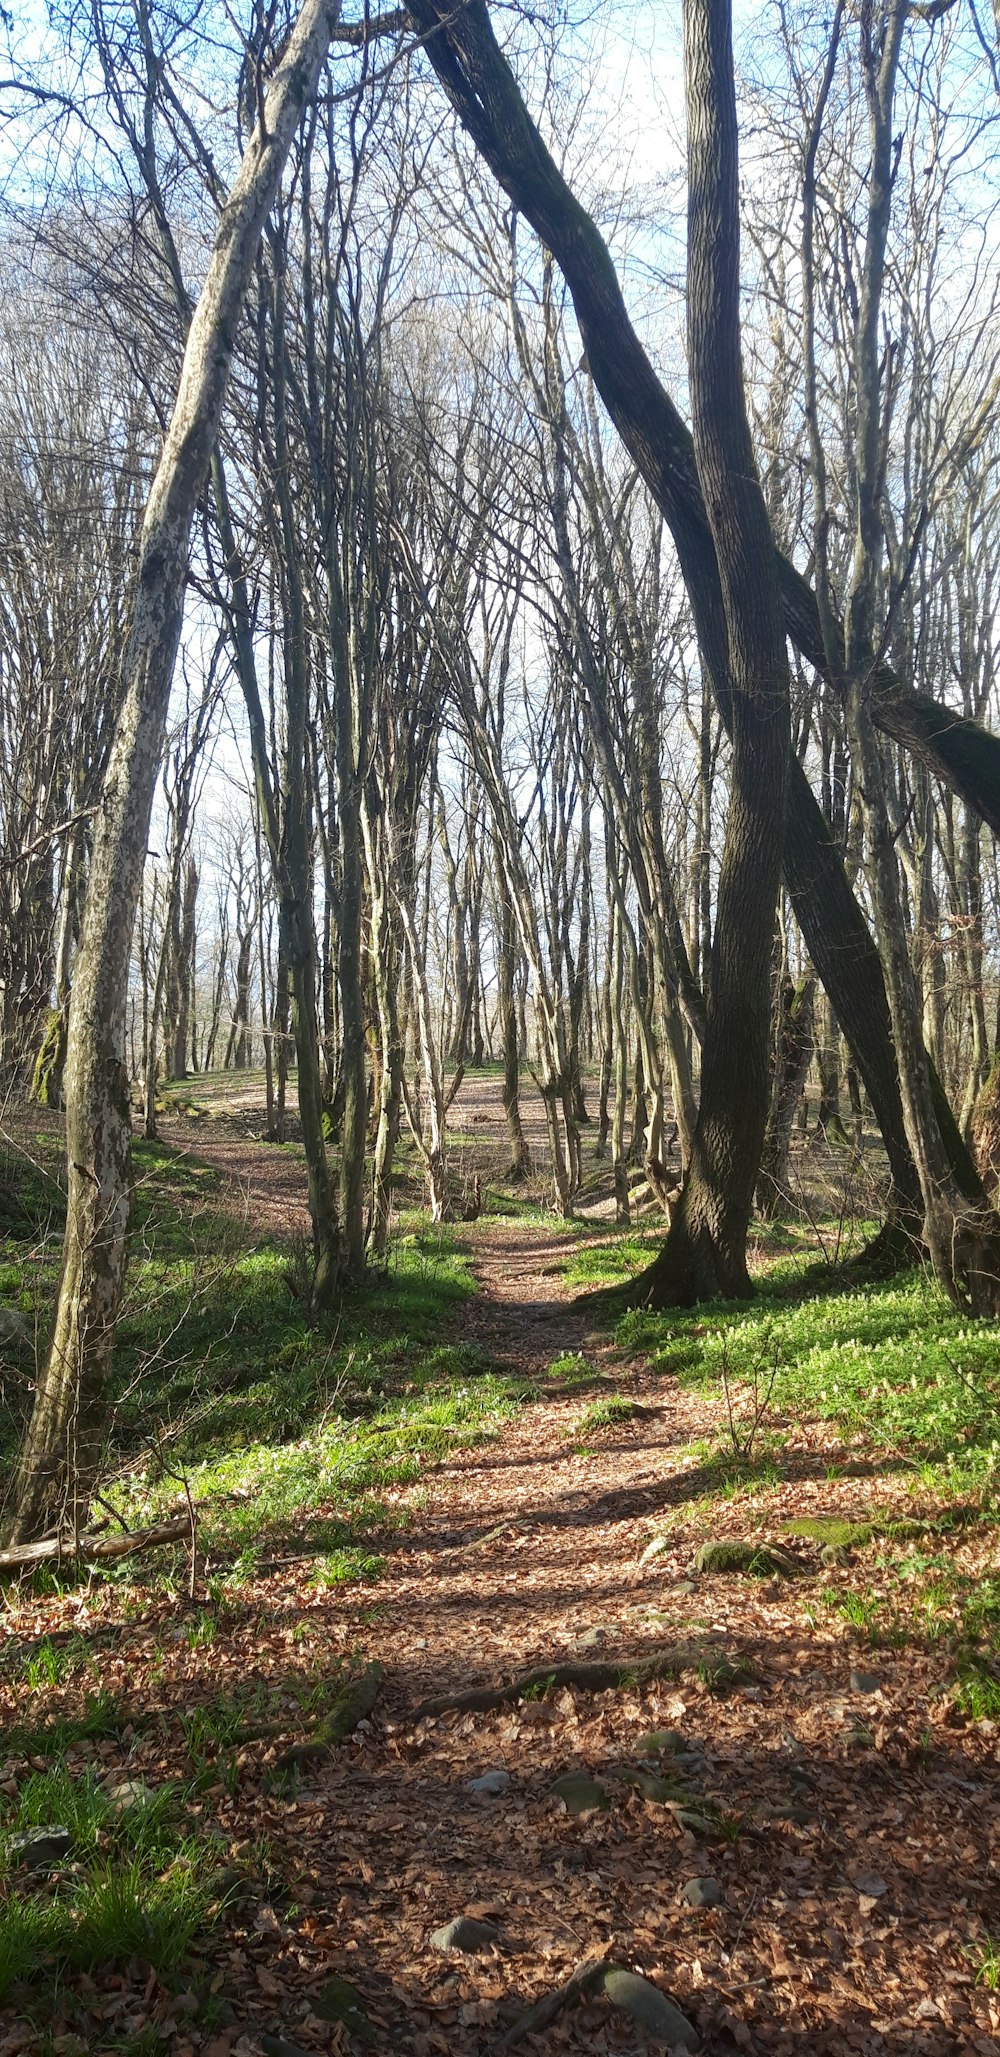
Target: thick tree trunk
[477, 80]
[705, 1251]
[62, 1450]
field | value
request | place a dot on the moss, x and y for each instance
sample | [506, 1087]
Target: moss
[828, 1529]
[838, 1534]
[47, 1078]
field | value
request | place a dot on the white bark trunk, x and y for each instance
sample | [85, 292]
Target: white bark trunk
[63, 1446]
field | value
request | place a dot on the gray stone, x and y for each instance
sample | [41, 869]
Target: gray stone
[465, 1934]
[659, 1742]
[492, 1783]
[701, 1892]
[865, 1682]
[683, 1589]
[38, 1849]
[650, 2008]
[580, 1794]
[127, 1793]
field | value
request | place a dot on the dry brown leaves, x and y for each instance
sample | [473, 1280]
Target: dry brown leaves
[858, 1843]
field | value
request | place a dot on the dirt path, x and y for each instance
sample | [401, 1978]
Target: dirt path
[849, 1823]
[856, 1838]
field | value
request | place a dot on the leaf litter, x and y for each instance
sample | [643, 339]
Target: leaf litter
[854, 1839]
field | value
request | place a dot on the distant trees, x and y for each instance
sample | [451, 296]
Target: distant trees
[537, 742]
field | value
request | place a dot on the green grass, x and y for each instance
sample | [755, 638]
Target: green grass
[985, 1959]
[603, 1414]
[892, 1362]
[286, 1433]
[608, 1261]
[136, 1884]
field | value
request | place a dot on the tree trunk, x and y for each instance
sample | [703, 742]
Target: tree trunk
[478, 82]
[793, 1053]
[61, 1456]
[705, 1251]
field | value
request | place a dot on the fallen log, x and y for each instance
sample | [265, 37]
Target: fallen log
[592, 1678]
[583, 1980]
[101, 1549]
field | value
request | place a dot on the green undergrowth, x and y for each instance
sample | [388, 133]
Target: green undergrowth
[613, 1412]
[892, 1364]
[137, 1883]
[606, 1260]
[286, 1434]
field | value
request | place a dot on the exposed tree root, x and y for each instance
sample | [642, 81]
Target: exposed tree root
[592, 1678]
[583, 1980]
[352, 1705]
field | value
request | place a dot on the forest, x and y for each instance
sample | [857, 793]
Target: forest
[499, 1027]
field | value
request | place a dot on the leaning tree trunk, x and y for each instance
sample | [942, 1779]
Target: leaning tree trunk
[478, 82]
[61, 1455]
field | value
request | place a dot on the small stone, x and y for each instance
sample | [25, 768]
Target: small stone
[656, 1548]
[659, 1742]
[683, 1589]
[701, 1892]
[338, 2000]
[591, 1639]
[465, 1934]
[492, 1782]
[580, 1794]
[650, 2008]
[869, 1885]
[128, 1792]
[38, 1849]
[865, 1682]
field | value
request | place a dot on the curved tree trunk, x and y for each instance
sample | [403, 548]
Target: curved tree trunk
[478, 82]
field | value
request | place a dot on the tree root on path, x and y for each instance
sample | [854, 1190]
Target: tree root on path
[593, 1678]
[583, 1980]
[351, 1706]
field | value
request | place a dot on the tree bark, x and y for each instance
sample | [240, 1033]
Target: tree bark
[705, 1251]
[61, 1456]
[481, 88]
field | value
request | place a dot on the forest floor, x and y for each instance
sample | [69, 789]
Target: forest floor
[494, 1486]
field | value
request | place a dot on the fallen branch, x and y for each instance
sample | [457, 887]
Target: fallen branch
[96, 1549]
[593, 1678]
[580, 1981]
